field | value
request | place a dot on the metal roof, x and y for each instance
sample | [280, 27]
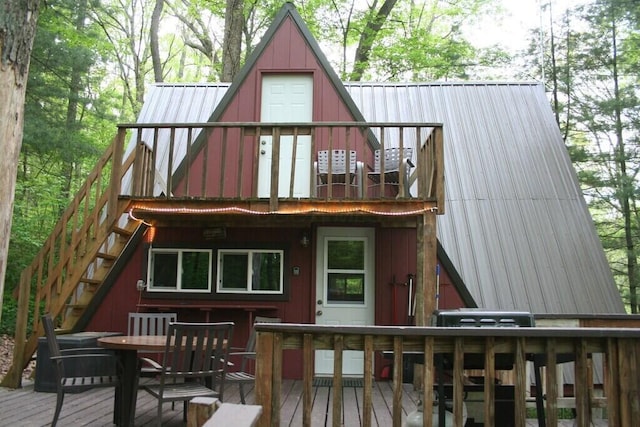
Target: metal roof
[516, 228]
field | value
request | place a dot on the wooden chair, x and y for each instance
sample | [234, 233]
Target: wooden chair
[194, 363]
[396, 162]
[150, 324]
[245, 375]
[66, 383]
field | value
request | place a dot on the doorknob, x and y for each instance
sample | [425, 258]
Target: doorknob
[263, 142]
[319, 313]
[319, 302]
[263, 152]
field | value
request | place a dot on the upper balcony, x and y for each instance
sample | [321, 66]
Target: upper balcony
[268, 164]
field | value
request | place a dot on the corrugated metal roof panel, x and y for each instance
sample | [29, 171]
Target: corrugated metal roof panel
[517, 227]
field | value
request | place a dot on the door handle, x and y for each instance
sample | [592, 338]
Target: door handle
[263, 152]
[319, 313]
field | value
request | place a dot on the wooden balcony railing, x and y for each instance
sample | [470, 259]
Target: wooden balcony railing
[223, 160]
[620, 364]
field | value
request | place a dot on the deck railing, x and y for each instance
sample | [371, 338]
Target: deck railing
[223, 160]
[620, 363]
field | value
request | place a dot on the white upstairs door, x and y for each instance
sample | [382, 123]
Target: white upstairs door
[286, 98]
[344, 289]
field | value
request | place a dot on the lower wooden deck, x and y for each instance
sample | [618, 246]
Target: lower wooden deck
[25, 407]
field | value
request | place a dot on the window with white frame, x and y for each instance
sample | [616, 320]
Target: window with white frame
[179, 270]
[250, 271]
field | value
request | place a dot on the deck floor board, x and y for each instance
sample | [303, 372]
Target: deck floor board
[28, 408]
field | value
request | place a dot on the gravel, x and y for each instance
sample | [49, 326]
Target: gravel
[6, 358]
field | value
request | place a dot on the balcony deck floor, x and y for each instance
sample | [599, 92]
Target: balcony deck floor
[26, 407]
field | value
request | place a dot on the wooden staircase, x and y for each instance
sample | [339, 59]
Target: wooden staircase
[77, 257]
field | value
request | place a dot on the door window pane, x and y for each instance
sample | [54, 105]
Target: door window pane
[346, 255]
[345, 288]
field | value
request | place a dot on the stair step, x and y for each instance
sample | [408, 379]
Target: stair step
[90, 281]
[122, 231]
[106, 256]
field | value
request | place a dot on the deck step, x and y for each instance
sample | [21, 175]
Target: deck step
[122, 231]
[89, 281]
[105, 256]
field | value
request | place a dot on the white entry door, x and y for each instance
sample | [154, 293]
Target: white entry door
[344, 289]
[286, 98]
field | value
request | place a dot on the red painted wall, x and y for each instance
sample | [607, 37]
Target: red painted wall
[286, 53]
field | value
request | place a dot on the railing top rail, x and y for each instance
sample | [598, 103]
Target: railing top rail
[525, 332]
[280, 124]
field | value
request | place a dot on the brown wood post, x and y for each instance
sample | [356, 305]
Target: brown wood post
[520, 392]
[552, 383]
[582, 387]
[275, 169]
[264, 375]
[338, 347]
[200, 409]
[116, 174]
[426, 269]
[439, 152]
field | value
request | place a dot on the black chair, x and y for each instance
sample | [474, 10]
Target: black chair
[194, 363]
[66, 383]
[246, 375]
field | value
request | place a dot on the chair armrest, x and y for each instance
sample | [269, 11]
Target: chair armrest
[84, 356]
[148, 361]
[96, 350]
[409, 163]
[243, 353]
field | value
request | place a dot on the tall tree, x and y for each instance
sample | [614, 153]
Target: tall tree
[596, 98]
[232, 42]
[18, 20]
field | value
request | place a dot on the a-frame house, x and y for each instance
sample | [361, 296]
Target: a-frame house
[289, 193]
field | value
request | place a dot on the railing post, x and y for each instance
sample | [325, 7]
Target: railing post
[264, 376]
[397, 381]
[115, 182]
[520, 388]
[275, 169]
[439, 165]
[338, 347]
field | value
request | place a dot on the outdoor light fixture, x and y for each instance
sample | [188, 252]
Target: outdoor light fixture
[304, 240]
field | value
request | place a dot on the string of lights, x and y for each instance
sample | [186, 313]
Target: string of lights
[236, 209]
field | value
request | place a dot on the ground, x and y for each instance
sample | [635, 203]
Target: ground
[6, 356]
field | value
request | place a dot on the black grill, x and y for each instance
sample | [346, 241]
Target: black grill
[483, 319]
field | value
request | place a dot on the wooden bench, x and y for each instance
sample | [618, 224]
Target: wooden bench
[214, 413]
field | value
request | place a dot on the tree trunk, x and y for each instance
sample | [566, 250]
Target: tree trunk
[153, 38]
[232, 43]
[17, 30]
[368, 36]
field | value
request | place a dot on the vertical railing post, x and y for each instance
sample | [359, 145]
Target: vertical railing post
[338, 347]
[439, 164]
[264, 377]
[275, 169]
[612, 382]
[307, 379]
[428, 379]
[581, 387]
[551, 383]
[368, 381]
[397, 381]
[489, 381]
[115, 181]
[520, 388]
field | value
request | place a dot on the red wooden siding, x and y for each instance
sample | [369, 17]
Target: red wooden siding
[286, 53]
